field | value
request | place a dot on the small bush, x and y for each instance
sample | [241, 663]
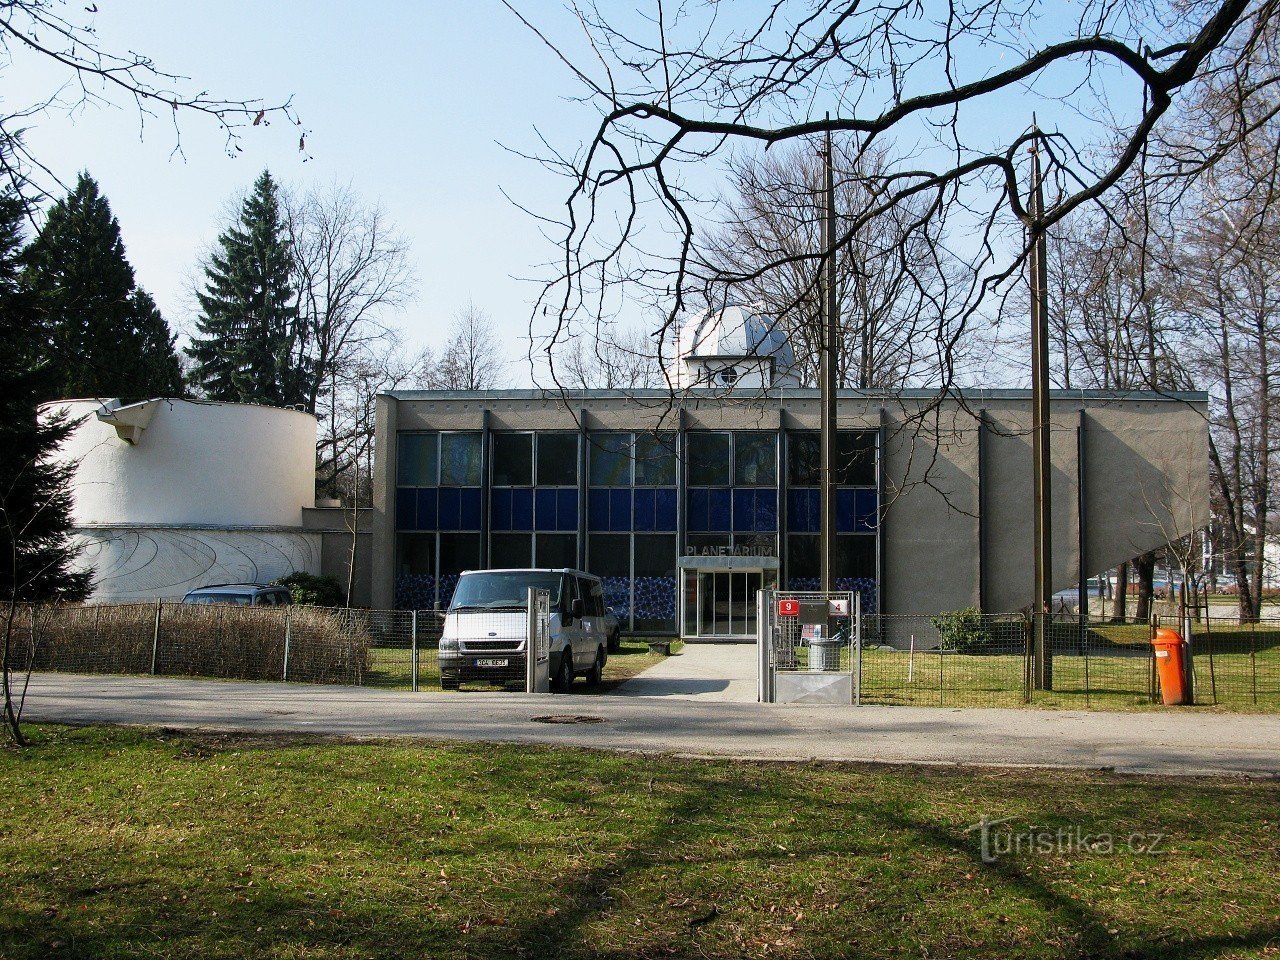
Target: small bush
[964, 631]
[311, 590]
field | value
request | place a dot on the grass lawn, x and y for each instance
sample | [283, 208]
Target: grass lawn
[119, 843]
[1243, 672]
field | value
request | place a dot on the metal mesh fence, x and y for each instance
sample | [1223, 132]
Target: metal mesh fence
[794, 649]
[1237, 664]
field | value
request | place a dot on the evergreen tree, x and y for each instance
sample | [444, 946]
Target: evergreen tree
[35, 495]
[251, 347]
[103, 336]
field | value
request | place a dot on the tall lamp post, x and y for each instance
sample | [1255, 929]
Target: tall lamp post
[1041, 488]
[828, 374]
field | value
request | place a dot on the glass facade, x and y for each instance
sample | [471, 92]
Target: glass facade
[734, 494]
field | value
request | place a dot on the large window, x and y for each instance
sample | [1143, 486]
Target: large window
[655, 459]
[512, 460]
[755, 459]
[556, 550]
[855, 458]
[512, 551]
[417, 459]
[855, 559]
[610, 456]
[557, 459]
[459, 459]
[709, 464]
[655, 582]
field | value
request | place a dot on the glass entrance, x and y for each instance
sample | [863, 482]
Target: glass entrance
[724, 602]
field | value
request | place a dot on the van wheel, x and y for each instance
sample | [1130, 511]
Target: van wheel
[564, 675]
[596, 673]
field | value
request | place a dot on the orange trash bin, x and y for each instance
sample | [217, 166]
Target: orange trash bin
[1170, 652]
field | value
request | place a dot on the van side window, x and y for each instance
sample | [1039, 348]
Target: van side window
[568, 590]
[597, 598]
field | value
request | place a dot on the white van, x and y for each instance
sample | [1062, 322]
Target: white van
[484, 629]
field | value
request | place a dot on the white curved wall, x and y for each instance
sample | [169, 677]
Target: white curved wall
[195, 463]
[142, 564]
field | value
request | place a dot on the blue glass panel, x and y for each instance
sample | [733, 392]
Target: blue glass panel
[450, 508]
[598, 510]
[718, 510]
[644, 509]
[766, 510]
[544, 509]
[567, 510]
[522, 509]
[470, 512]
[846, 511]
[426, 509]
[664, 509]
[620, 510]
[406, 509]
[696, 507]
[865, 517]
[744, 509]
[500, 509]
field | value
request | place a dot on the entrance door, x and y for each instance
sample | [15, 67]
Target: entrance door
[726, 602]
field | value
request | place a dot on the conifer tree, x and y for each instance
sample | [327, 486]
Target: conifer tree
[103, 336]
[35, 496]
[251, 346]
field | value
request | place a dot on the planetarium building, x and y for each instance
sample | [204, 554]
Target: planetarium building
[686, 501]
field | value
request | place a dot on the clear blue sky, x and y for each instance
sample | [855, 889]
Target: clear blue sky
[406, 100]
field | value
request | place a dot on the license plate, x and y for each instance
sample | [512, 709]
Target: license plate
[492, 663]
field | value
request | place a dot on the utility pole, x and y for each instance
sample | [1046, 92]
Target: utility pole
[828, 372]
[1042, 494]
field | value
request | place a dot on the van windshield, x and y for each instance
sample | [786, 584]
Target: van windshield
[494, 591]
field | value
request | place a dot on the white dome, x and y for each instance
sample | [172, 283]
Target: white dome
[734, 346]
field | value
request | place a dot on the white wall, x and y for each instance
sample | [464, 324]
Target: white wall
[195, 463]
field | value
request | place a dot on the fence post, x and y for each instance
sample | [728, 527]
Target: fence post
[288, 635]
[764, 641]
[1027, 641]
[857, 648]
[155, 635]
[413, 650]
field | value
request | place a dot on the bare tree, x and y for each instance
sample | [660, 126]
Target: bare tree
[679, 89]
[1231, 286]
[625, 361]
[344, 451]
[351, 271]
[64, 36]
[894, 276]
[472, 357]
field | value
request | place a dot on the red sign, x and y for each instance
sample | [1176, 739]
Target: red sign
[788, 608]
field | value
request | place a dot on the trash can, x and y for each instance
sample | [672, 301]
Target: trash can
[1170, 652]
[824, 653]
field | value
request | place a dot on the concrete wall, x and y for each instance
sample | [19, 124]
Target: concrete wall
[333, 526]
[194, 463]
[1146, 474]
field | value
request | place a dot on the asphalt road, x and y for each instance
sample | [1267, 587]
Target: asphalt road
[1190, 742]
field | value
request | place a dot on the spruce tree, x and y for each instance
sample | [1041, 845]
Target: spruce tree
[103, 336]
[35, 494]
[250, 346]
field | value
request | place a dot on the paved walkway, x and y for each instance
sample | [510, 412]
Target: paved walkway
[1175, 743]
[702, 671]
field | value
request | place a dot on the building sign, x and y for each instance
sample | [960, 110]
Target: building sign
[788, 608]
[738, 550]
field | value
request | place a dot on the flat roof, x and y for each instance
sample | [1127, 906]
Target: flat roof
[801, 393]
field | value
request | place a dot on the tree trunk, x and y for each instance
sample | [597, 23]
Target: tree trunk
[1120, 599]
[1145, 566]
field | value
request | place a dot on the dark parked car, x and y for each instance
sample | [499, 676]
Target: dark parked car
[240, 595]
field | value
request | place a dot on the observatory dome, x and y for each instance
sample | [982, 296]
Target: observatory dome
[734, 346]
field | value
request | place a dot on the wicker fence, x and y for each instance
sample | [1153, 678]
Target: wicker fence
[391, 648]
